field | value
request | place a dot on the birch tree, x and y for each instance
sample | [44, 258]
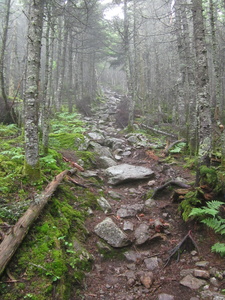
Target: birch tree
[202, 81]
[31, 165]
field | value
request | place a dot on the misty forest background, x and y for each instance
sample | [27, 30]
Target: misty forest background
[166, 57]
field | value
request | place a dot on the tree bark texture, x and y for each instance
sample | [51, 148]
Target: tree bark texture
[202, 82]
[32, 87]
[12, 241]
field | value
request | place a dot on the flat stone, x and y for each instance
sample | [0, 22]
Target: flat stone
[141, 234]
[165, 297]
[125, 173]
[202, 263]
[111, 233]
[192, 282]
[201, 274]
[151, 263]
[130, 210]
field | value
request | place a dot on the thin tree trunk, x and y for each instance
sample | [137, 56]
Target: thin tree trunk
[31, 165]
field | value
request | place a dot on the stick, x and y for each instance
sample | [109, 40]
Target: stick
[159, 131]
[16, 235]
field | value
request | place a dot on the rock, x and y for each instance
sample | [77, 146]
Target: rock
[186, 272]
[114, 143]
[132, 256]
[141, 234]
[150, 203]
[202, 264]
[104, 204]
[125, 173]
[151, 263]
[214, 281]
[96, 136]
[101, 150]
[106, 162]
[130, 210]
[192, 282]
[90, 173]
[147, 279]
[201, 273]
[165, 297]
[111, 233]
[114, 195]
[128, 226]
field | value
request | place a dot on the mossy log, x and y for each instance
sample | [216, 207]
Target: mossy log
[13, 239]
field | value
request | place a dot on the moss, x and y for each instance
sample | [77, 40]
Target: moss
[190, 201]
[33, 172]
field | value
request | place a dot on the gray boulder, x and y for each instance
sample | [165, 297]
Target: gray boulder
[111, 233]
[125, 173]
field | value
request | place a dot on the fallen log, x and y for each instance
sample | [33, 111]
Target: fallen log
[16, 234]
[159, 131]
[171, 182]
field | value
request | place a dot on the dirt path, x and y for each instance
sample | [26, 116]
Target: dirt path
[137, 271]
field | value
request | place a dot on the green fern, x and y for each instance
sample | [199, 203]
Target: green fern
[219, 248]
[211, 218]
[211, 209]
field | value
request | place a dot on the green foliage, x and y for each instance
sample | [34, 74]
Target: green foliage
[208, 176]
[178, 148]
[211, 218]
[190, 201]
[8, 130]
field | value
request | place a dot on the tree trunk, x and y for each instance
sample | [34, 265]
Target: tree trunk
[12, 240]
[31, 165]
[202, 81]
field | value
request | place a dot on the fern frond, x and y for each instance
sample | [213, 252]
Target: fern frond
[219, 248]
[212, 223]
[197, 212]
[214, 204]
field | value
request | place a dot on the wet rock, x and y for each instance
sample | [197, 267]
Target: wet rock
[104, 204]
[130, 210]
[151, 263]
[125, 173]
[141, 234]
[201, 274]
[106, 162]
[132, 256]
[111, 233]
[192, 282]
[165, 297]
[147, 279]
[128, 226]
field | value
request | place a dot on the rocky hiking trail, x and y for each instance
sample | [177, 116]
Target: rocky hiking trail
[142, 248]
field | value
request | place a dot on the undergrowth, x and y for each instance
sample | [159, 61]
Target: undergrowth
[212, 215]
[51, 260]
